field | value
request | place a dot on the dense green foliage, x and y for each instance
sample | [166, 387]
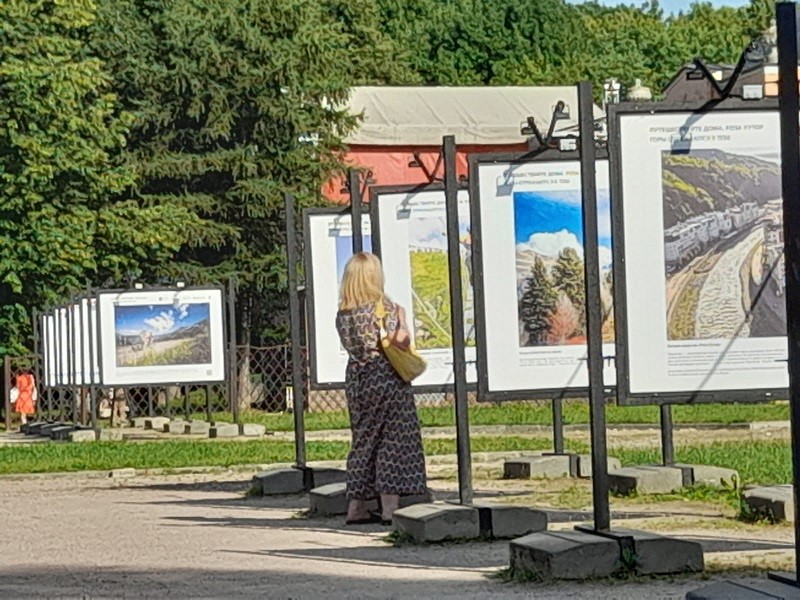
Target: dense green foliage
[155, 139]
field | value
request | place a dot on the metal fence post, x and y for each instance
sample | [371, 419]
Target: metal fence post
[295, 320]
[233, 362]
[7, 390]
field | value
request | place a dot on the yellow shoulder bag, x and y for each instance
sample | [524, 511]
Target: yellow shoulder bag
[408, 363]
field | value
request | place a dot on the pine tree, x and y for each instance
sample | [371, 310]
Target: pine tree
[537, 304]
[568, 277]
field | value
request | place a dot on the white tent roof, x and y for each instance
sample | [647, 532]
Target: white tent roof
[420, 116]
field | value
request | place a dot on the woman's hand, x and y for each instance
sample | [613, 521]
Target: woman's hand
[399, 337]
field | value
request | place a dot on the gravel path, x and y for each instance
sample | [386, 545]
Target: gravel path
[197, 537]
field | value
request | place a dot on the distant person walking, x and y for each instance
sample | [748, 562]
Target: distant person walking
[386, 457]
[24, 396]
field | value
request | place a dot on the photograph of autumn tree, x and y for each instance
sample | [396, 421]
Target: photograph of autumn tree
[430, 280]
[549, 258]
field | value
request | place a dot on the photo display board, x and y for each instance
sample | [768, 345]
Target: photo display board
[166, 336]
[49, 349]
[700, 229]
[328, 241]
[528, 226]
[76, 343]
[63, 344]
[410, 226]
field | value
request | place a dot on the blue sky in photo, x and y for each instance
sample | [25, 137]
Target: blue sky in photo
[672, 7]
[344, 250]
[552, 212]
[158, 318]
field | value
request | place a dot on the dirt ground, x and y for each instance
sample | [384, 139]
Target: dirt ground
[198, 536]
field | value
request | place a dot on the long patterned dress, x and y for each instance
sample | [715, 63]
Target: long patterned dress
[386, 456]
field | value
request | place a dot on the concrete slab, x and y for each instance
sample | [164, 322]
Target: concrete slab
[122, 473]
[645, 480]
[564, 555]
[224, 430]
[175, 426]
[138, 422]
[83, 435]
[46, 429]
[585, 465]
[774, 503]
[711, 475]
[110, 435]
[751, 589]
[505, 521]
[546, 466]
[35, 428]
[197, 428]
[436, 522]
[331, 499]
[156, 423]
[325, 476]
[653, 554]
[277, 482]
[252, 430]
[62, 433]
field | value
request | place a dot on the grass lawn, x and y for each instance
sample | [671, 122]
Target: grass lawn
[757, 462]
[539, 413]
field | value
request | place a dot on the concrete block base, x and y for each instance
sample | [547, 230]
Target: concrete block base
[32, 428]
[585, 465]
[548, 465]
[774, 503]
[62, 433]
[176, 426]
[564, 555]
[505, 521]
[317, 477]
[645, 480]
[197, 428]
[277, 482]
[710, 475]
[647, 553]
[436, 522]
[110, 435]
[138, 422]
[45, 430]
[752, 589]
[224, 430]
[331, 499]
[156, 423]
[252, 430]
[83, 435]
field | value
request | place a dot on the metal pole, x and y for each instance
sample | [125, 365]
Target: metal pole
[209, 412]
[558, 426]
[594, 317]
[667, 441]
[7, 389]
[93, 379]
[295, 318]
[233, 370]
[72, 364]
[355, 209]
[38, 364]
[790, 180]
[457, 323]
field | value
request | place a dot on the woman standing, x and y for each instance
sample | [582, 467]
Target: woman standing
[386, 456]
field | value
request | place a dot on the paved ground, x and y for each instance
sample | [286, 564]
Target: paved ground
[196, 536]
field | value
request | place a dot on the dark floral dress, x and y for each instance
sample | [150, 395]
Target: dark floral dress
[386, 455]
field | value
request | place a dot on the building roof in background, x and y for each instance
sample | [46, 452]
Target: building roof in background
[421, 116]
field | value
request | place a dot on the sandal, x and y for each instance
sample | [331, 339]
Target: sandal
[379, 518]
[372, 518]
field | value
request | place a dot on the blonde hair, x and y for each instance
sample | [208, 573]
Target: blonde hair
[362, 282]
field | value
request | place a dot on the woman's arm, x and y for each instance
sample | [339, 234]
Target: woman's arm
[399, 337]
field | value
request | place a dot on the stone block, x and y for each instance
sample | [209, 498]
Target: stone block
[83, 435]
[775, 502]
[175, 426]
[506, 521]
[110, 435]
[156, 423]
[35, 428]
[122, 473]
[197, 428]
[331, 500]
[406, 501]
[585, 465]
[62, 433]
[564, 555]
[547, 466]
[139, 422]
[645, 480]
[752, 589]
[46, 429]
[324, 476]
[277, 482]
[711, 475]
[437, 522]
[252, 430]
[224, 430]
[659, 555]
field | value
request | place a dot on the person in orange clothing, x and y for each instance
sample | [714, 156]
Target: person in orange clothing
[24, 395]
